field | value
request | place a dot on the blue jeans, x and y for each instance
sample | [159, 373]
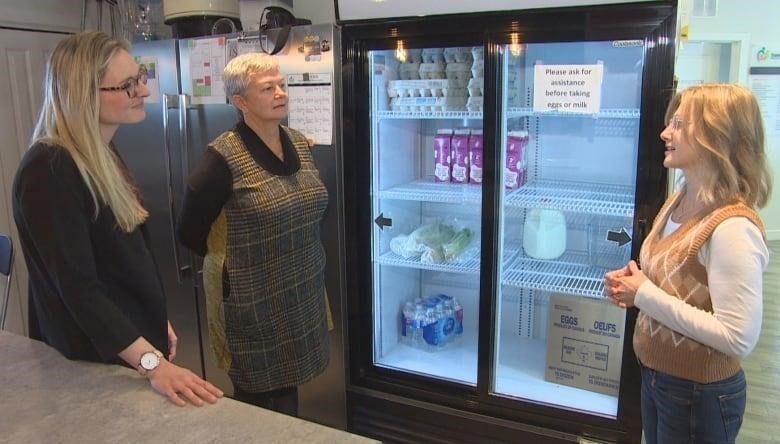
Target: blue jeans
[676, 410]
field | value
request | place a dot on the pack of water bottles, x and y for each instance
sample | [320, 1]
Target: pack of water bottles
[431, 323]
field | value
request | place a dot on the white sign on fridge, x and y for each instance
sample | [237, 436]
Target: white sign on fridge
[207, 60]
[311, 105]
[568, 88]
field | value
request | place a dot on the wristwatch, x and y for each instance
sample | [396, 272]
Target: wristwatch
[149, 361]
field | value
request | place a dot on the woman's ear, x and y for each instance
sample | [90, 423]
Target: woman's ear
[238, 102]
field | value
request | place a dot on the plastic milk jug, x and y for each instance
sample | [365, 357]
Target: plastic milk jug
[544, 234]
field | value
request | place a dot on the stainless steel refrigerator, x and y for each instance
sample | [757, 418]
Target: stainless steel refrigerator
[184, 113]
[497, 164]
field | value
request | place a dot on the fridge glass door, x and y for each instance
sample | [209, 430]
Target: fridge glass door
[570, 144]
[426, 175]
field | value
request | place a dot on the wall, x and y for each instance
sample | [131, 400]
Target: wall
[758, 20]
[50, 15]
[318, 11]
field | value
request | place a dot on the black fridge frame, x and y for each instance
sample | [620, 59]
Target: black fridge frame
[380, 400]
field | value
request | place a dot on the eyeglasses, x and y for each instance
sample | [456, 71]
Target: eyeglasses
[677, 123]
[130, 86]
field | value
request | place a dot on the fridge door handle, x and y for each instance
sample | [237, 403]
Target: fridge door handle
[171, 101]
[184, 105]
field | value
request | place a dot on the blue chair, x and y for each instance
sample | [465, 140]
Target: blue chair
[6, 267]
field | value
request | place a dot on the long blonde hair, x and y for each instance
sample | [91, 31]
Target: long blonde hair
[70, 119]
[727, 128]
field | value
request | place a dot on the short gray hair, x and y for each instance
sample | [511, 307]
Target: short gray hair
[238, 72]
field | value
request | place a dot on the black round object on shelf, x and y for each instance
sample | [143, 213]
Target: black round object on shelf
[201, 25]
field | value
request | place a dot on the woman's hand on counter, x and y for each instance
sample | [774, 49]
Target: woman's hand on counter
[180, 384]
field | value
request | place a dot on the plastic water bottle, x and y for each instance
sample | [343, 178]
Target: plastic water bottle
[450, 326]
[407, 320]
[458, 311]
[418, 324]
[429, 329]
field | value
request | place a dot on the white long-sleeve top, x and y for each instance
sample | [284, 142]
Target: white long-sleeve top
[735, 257]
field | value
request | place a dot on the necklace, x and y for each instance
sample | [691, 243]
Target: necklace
[686, 208]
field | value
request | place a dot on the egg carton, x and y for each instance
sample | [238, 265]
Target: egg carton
[414, 55]
[426, 88]
[477, 53]
[514, 96]
[435, 70]
[476, 87]
[458, 71]
[458, 55]
[475, 103]
[429, 104]
[409, 71]
[433, 55]
[478, 68]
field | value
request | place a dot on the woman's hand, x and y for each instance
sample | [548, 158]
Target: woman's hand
[172, 341]
[178, 384]
[621, 285]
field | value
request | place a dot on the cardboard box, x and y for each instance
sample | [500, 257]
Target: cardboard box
[585, 343]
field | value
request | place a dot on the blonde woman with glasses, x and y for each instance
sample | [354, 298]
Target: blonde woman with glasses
[94, 292]
[699, 290]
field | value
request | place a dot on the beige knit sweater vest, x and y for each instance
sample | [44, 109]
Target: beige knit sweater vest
[672, 264]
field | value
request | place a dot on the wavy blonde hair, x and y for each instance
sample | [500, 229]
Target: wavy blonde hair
[70, 119]
[727, 129]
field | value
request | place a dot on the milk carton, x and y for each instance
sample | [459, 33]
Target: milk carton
[442, 154]
[516, 163]
[460, 155]
[475, 157]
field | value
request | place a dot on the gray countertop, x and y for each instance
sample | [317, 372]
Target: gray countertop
[47, 398]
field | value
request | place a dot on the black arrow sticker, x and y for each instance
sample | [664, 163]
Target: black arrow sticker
[621, 237]
[383, 222]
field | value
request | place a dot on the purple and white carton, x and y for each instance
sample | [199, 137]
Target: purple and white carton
[515, 172]
[442, 154]
[460, 156]
[475, 157]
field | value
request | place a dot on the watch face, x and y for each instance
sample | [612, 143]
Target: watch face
[149, 361]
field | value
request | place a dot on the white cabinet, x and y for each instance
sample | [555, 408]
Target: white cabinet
[22, 63]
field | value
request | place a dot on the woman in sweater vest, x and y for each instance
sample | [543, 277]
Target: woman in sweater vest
[699, 289]
[253, 209]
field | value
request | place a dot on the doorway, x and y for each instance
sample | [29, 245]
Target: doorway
[710, 58]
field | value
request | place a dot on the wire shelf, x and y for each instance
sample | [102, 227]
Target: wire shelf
[614, 113]
[562, 275]
[429, 115]
[466, 263]
[610, 113]
[604, 200]
[427, 190]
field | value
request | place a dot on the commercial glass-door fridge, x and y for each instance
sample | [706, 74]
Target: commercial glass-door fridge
[496, 166]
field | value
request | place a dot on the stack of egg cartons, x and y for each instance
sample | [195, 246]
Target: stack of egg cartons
[458, 73]
[476, 85]
[437, 81]
[401, 90]
[514, 82]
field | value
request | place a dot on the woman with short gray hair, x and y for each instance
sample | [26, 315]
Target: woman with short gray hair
[253, 209]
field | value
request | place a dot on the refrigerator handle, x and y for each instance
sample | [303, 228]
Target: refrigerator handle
[184, 130]
[171, 101]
